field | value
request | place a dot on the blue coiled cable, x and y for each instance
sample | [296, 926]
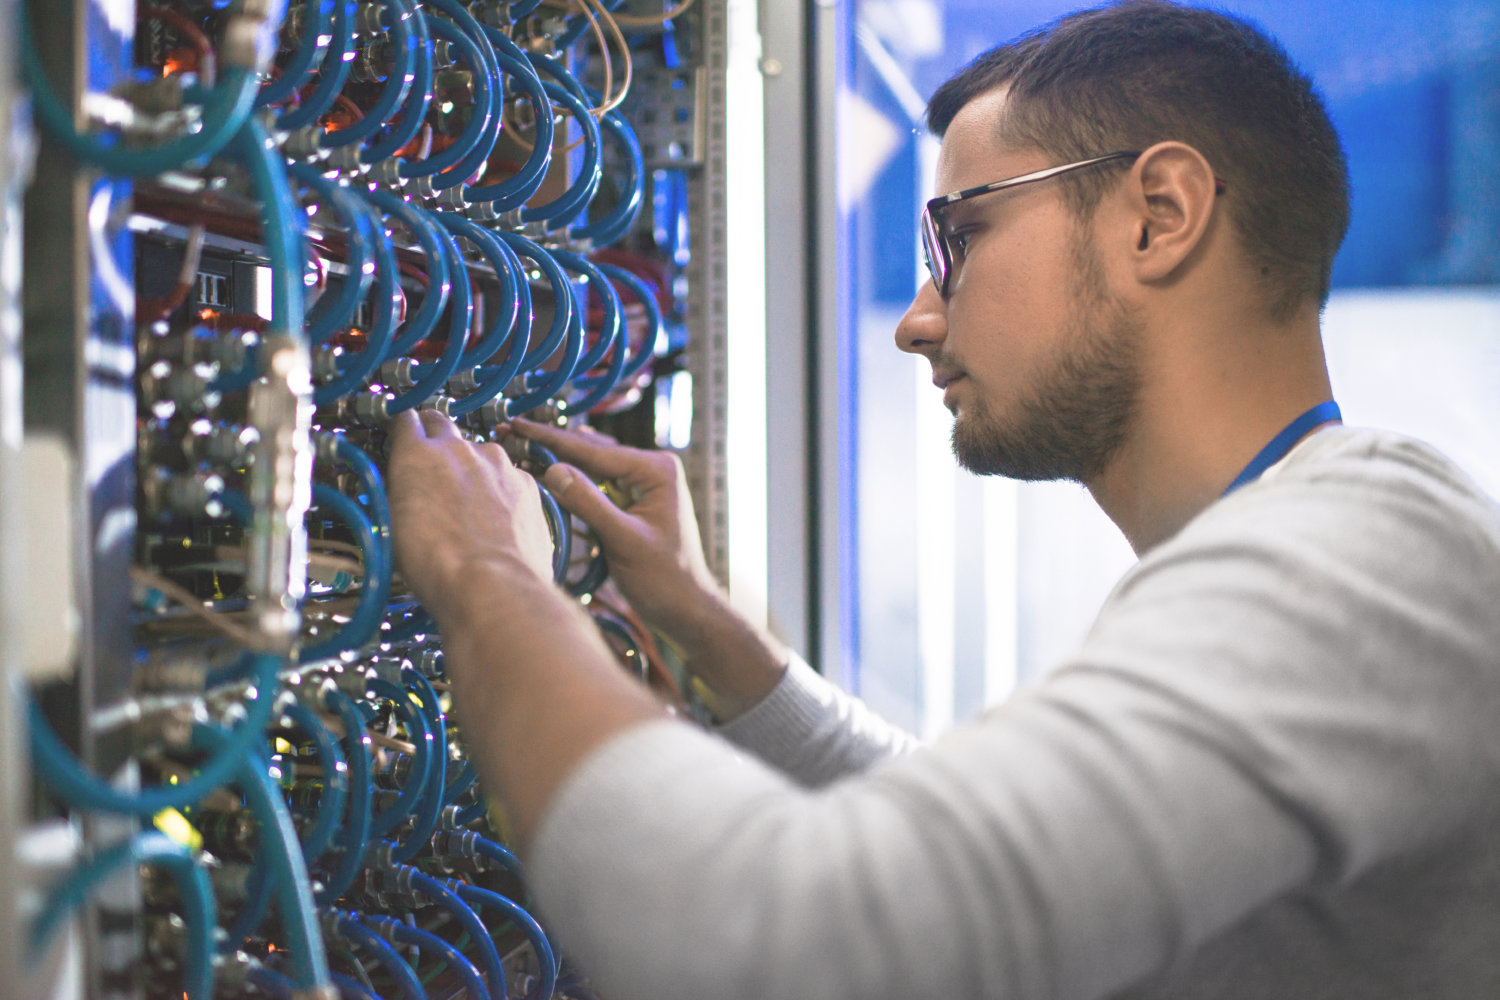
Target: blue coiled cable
[647, 298]
[614, 224]
[543, 385]
[338, 60]
[335, 782]
[353, 456]
[612, 335]
[226, 109]
[508, 272]
[355, 368]
[429, 808]
[547, 961]
[517, 190]
[562, 296]
[571, 203]
[414, 107]
[451, 956]
[398, 82]
[562, 534]
[288, 869]
[310, 48]
[332, 313]
[270, 982]
[66, 776]
[375, 591]
[351, 929]
[149, 847]
[613, 329]
[420, 324]
[460, 784]
[454, 165]
[435, 374]
[356, 832]
[283, 223]
[451, 901]
[471, 812]
[352, 989]
[416, 782]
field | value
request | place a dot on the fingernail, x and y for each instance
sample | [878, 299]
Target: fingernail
[556, 477]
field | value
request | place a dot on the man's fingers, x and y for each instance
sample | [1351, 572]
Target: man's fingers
[596, 454]
[436, 425]
[404, 427]
[579, 496]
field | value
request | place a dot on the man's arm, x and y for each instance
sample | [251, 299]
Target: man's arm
[656, 559]
[534, 686]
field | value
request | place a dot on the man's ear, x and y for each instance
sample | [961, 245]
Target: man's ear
[1172, 193]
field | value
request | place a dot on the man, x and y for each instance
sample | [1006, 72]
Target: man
[1271, 771]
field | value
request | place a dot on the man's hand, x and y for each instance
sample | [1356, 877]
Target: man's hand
[458, 508]
[656, 559]
[655, 555]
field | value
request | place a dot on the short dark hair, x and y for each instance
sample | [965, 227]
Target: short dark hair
[1135, 73]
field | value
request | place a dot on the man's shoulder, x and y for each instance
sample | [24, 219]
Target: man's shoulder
[1350, 511]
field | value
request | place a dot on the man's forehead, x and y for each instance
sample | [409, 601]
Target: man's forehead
[974, 150]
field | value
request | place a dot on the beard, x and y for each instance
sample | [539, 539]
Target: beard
[1071, 421]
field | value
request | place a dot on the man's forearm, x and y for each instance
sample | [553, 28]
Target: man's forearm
[534, 686]
[738, 661]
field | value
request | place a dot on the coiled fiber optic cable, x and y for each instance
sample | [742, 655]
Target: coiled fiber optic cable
[421, 737]
[338, 60]
[423, 321]
[403, 47]
[647, 298]
[571, 203]
[414, 108]
[402, 934]
[375, 591]
[454, 902]
[547, 961]
[508, 271]
[435, 374]
[330, 810]
[351, 929]
[66, 776]
[517, 190]
[614, 224]
[356, 832]
[429, 808]
[293, 892]
[454, 165]
[149, 847]
[316, 26]
[332, 313]
[282, 221]
[355, 368]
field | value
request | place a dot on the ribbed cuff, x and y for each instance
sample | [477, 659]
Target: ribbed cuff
[784, 719]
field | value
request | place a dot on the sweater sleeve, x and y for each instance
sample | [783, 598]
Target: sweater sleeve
[814, 732]
[1291, 691]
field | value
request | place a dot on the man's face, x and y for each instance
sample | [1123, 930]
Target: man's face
[1036, 357]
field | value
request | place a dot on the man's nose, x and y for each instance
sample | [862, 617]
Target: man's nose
[925, 322]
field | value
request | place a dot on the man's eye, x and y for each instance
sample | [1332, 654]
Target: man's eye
[958, 243]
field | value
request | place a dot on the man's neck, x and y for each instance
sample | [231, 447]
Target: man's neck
[1207, 410]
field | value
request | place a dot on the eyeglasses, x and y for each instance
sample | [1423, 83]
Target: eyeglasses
[937, 248]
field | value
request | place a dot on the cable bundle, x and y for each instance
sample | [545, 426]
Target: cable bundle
[424, 189]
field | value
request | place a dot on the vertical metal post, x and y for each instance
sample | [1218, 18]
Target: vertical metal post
[79, 365]
[13, 781]
[706, 459]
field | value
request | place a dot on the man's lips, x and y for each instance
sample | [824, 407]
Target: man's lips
[944, 379]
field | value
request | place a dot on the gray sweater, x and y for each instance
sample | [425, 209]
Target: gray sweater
[1270, 772]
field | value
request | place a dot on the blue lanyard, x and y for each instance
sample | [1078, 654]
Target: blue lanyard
[1282, 443]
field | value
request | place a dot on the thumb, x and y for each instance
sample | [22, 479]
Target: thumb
[579, 496]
